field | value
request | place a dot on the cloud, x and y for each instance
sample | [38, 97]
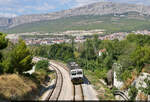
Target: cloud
[9, 15]
[64, 1]
[22, 7]
[85, 2]
[44, 7]
[6, 1]
[80, 3]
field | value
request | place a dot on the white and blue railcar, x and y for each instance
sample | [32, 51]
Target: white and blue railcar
[76, 73]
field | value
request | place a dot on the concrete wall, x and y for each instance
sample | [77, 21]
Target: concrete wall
[118, 84]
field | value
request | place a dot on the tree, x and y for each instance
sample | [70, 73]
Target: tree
[61, 52]
[72, 43]
[139, 39]
[6, 60]
[42, 51]
[3, 41]
[3, 44]
[88, 51]
[96, 43]
[141, 56]
[21, 58]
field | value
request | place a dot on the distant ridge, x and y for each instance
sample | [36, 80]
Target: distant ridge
[100, 8]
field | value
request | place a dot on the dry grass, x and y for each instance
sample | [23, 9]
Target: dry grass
[16, 87]
[134, 75]
[141, 96]
[130, 80]
[146, 69]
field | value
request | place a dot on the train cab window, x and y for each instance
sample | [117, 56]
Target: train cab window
[79, 72]
[73, 73]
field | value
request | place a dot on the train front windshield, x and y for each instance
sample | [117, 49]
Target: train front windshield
[79, 72]
[73, 73]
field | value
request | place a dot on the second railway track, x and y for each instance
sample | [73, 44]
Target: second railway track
[55, 93]
[78, 93]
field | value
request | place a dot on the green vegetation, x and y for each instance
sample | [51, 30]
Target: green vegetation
[133, 54]
[104, 93]
[3, 44]
[147, 89]
[43, 64]
[111, 23]
[133, 92]
[41, 71]
[18, 59]
[15, 59]
[57, 51]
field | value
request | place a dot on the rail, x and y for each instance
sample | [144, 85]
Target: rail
[55, 93]
[78, 93]
[122, 94]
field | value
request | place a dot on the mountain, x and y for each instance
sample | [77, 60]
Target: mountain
[101, 8]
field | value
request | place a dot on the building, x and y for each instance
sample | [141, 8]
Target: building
[101, 52]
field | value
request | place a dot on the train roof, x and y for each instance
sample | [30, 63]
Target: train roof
[73, 65]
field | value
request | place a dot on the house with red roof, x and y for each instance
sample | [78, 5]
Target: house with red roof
[101, 52]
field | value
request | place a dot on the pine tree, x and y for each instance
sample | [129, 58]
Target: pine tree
[21, 58]
[3, 44]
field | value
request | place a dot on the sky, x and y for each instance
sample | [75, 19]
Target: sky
[12, 8]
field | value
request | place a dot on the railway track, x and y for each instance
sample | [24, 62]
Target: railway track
[122, 94]
[78, 94]
[55, 92]
[60, 64]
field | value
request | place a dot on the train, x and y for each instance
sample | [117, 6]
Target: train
[76, 73]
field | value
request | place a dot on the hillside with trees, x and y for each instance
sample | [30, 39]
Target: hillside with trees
[132, 53]
[15, 60]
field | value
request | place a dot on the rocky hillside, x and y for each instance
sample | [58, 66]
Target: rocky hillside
[101, 8]
[4, 22]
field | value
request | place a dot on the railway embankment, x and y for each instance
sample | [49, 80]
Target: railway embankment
[25, 86]
[103, 92]
[22, 87]
[16, 87]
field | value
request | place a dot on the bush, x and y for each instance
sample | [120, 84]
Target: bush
[125, 75]
[133, 92]
[43, 64]
[102, 74]
[114, 89]
[40, 76]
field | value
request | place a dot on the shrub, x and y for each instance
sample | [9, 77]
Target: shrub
[133, 92]
[43, 64]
